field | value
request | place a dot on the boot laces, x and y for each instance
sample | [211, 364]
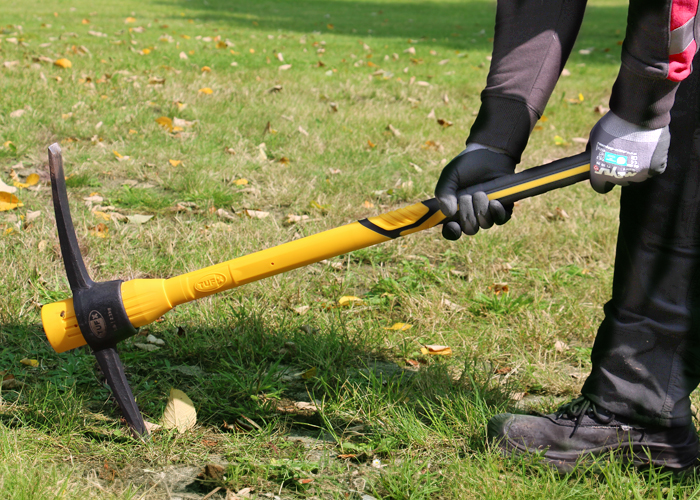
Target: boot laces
[577, 409]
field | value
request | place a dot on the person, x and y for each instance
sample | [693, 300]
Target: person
[646, 356]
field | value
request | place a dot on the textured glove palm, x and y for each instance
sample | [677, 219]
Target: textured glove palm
[622, 152]
[474, 165]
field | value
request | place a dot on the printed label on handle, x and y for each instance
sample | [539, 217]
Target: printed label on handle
[210, 283]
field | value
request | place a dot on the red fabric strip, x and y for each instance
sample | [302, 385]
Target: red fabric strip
[679, 64]
[682, 11]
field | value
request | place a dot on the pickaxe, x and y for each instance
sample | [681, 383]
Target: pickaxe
[103, 314]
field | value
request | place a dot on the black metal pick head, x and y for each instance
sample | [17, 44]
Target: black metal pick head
[98, 306]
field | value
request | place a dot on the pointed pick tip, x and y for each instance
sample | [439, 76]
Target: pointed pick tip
[55, 148]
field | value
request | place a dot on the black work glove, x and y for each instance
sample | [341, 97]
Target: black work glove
[471, 167]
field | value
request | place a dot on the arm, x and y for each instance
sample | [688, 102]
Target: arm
[630, 144]
[532, 42]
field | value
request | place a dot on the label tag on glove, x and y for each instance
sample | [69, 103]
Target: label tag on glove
[615, 162]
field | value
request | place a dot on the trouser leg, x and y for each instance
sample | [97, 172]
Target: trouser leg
[646, 356]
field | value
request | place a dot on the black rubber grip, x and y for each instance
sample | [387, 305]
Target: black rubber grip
[528, 179]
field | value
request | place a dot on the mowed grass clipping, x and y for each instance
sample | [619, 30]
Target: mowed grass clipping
[194, 132]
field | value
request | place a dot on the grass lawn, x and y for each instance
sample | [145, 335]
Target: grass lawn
[194, 111]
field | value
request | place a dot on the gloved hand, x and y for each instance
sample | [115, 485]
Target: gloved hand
[474, 165]
[622, 152]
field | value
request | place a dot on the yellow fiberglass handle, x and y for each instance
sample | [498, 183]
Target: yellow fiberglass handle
[145, 300]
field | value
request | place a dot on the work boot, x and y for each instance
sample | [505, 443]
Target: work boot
[579, 432]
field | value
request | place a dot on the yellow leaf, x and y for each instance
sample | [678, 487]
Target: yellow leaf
[63, 63]
[100, 230]
[308, 374]
[132, 131]
[179, 412]
[368, 204]
[145, 52]
[580, 97]
[30, 362]
[86, 21]
[240, 182]
[371, 144]
[315, 204]
[348, 300]
[206, 90]
[206, 69]
[399, 326]
[165, 122]
[130, 20]
[559, 141]
[102, 215]
[174, 163]
[437, 350]
[31, 180]
[221, 45]
[9, 201]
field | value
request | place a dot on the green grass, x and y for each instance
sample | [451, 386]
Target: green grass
[236, 354]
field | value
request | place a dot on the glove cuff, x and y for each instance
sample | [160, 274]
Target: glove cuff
[643, 101]
[503, 124]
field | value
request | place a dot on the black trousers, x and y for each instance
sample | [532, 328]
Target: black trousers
[646, 356]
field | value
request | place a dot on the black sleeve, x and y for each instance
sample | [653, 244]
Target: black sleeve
[532, 42]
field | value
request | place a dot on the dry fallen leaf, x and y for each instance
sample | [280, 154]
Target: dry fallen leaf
[174, 163]
[399, 326]
[225, 214]
[301, 309]
[138, 218]
[293, 219]
[4, 188]
[31, 180]
[348, 300]
[444, 123]
[393, 130]
[180, 122]
[285, 67]
[119, 156]
[30, 362]
[436, 350]
[206, 90]
[560, 346]
[308, 374]
[100, 230]
[240, 182]
[9, 201]
[63, 63]
[17, 113]
[255, 214]
[179, 412]
[165, 122]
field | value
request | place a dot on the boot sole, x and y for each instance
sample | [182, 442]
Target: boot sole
[641, 456]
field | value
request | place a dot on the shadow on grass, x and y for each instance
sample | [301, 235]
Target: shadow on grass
[455, 25]
[245, 365]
